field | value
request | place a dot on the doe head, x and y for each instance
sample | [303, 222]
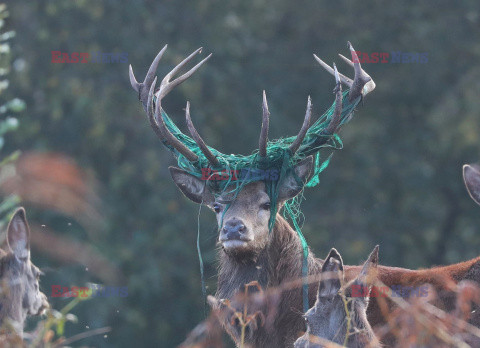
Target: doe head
[328, 319]
[19, 277]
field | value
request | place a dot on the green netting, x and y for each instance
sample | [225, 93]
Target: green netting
[278, 154]
[279, 158]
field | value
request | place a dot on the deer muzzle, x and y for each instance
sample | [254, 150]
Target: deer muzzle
[234, 234]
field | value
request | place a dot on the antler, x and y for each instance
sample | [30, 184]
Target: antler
[362, 83]
[262, 143]
[145, 93]
[198, 139]
[334, 122]
[303, 131]
[143, 88]
[316, 135]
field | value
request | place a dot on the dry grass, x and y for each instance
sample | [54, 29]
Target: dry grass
[414, 322]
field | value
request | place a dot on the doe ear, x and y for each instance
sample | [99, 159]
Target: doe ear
[18, 234]
[368, 274]
[471, 176]
[192, 187]
[332, 275]
[290, 187]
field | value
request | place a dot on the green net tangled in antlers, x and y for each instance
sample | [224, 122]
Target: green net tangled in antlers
[239, 170]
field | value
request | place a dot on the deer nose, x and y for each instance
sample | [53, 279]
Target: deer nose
[234, 229]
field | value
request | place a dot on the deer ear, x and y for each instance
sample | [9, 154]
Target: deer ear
[18, 235]
[192, 187]
[471, 176]
[290, 187]
[368, 274]
[332, 275]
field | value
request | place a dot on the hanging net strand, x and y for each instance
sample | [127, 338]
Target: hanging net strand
[195, 156]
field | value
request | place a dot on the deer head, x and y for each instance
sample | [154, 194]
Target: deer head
[328, 319]
[244, 212]
[244, 229]
[471, 177]
[19, 277]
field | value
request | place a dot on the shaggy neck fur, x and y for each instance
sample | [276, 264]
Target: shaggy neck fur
[280, 262]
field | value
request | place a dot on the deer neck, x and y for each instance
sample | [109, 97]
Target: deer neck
[11, 313]
[280, 260]
[362, 335]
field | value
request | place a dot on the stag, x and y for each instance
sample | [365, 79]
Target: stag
[21, 295]
[337, 316]
[249, 251]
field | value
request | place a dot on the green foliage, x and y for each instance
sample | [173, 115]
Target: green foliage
[54, 324]
[7, 122]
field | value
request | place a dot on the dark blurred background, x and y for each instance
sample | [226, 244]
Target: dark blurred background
[396, 183]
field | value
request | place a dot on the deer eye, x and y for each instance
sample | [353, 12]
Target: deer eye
[266, 206]
[217, 208]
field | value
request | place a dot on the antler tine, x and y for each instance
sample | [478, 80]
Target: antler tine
[163, 133]
[198, 139]
[146, 92]
[262, 144]
[362, 82]
[346, 60]
[337, 116]
[166, 86]
[170, 138]
[143, 88]
[153, 67]
[133, 80]
[335, 121]
[303, 131]
[150, 111]
[345, 80]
